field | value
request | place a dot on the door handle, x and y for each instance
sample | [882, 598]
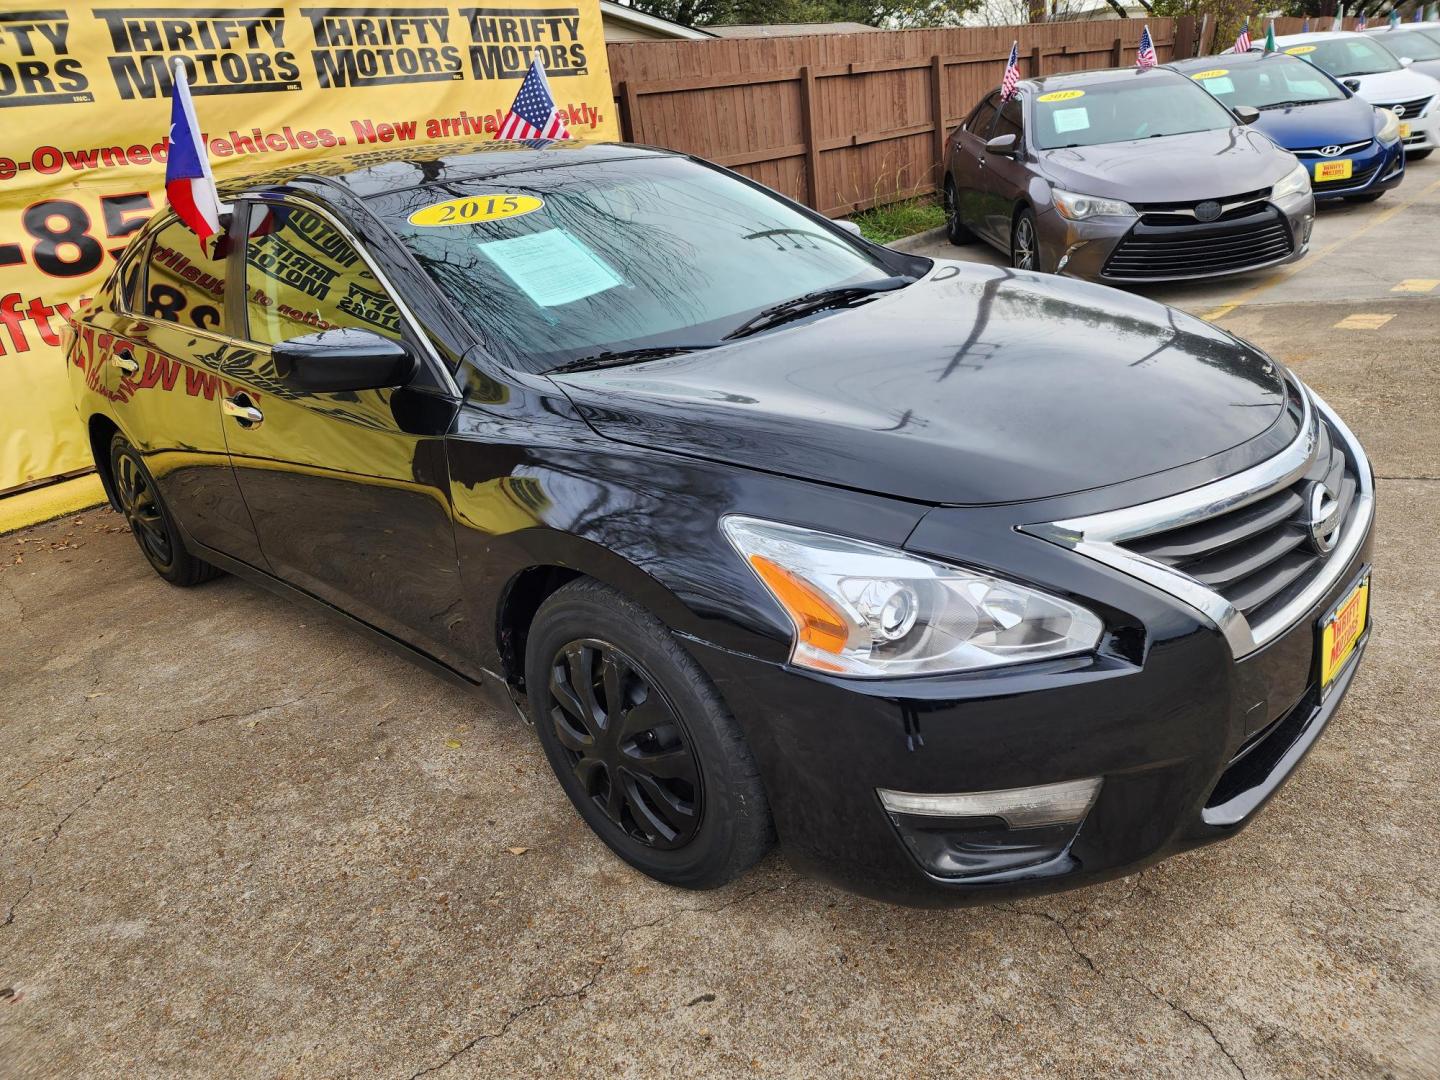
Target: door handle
[241, 411]
[124, 360]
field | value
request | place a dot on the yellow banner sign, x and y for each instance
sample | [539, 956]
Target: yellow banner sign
[85, 111]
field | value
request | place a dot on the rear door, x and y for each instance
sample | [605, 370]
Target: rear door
[157, 352]
[968, 163]
[349, 492]
[1006, 178]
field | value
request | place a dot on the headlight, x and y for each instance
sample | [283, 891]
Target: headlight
[1295, 182]
[1389, 126]
[871, 611]
[1079, 207]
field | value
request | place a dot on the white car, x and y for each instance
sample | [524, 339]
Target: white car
[1376, 74]
[1417, 42]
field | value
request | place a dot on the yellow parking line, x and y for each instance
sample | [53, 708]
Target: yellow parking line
[1362, 321]
[1416, 285]
[1285, 273]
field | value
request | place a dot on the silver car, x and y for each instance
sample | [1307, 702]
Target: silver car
[1125, 176]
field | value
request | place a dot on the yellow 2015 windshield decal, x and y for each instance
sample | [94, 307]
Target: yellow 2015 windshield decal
[1216, 74]
[1299, 50]
[474, 209]
[1061, 95]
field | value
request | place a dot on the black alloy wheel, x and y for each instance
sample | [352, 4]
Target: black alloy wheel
[145, 512]
[141, 507]
[626, 745]
[641, 741]
[1025, 243]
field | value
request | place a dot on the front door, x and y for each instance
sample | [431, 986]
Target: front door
[1006, 177]
[349, 492]
[969, 163]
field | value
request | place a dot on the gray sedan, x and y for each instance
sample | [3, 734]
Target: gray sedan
[1125, 176]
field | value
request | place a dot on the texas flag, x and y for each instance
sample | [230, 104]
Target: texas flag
[188, 184]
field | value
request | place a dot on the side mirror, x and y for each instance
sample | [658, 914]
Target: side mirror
[1406, 61]
[337, 360]
[1246, 114]
[1003, 145]
[850, 227]
[1353, 85]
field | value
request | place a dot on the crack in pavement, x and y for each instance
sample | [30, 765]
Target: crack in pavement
[55, 835]
[1089, 961]
[1431, 478]
[600, 965]
[246, 713]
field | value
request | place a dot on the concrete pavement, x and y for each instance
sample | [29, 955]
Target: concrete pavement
[240, 841]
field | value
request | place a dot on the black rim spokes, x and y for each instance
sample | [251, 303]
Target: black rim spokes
[142, 510]
[625, 743]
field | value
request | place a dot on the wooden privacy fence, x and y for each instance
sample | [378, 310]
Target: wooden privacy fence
[842, 122]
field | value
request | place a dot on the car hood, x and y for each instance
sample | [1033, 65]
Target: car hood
[1178, 168]
[1325, 123]
[1388, 87]
[974, 385]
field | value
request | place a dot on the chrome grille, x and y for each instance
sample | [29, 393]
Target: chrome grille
[1258, 555]
[1412, 108]
[1314, 151]
[1226, 548]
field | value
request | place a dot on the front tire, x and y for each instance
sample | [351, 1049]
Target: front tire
[641, 741]
[149, 518]
[1025, 242]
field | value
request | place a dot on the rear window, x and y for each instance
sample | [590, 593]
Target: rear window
[1139, 107]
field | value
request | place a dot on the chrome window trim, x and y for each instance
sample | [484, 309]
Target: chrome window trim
[447, 377]
[1099, 536]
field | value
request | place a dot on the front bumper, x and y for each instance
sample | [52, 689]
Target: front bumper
[1378, 168]
[1163, 734]
[1089, 249]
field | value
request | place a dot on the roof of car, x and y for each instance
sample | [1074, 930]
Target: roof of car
[1403, 26]
[1227, 59]
[369, 173]
[1071, 79]
[1315, 35]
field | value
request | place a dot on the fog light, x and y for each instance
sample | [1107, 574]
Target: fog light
[980, 834]
[1019, 808]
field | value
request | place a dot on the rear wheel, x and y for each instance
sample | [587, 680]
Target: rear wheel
[641, 741]
[954, 230]
[1418, 155]
[149, 519]
[1024, 242]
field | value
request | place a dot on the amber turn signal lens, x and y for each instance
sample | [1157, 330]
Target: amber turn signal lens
[816, 620]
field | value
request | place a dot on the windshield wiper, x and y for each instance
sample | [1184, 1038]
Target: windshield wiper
[614, 357]
[1291, 104]
[810, 303]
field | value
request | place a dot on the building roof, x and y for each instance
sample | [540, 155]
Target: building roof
[792, 29]
[609, 9]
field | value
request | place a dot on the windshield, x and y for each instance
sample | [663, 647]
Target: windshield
[1276, 80]
[1343, 57]
[1416, 44]
[1121, 111]
[559, 264]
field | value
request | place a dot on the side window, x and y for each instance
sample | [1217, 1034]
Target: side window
[183, 280]
[1011, 122]
[302, 276]
[131, 275]
[984, 114]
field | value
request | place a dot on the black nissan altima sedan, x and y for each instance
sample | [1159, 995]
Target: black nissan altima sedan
[960, 581]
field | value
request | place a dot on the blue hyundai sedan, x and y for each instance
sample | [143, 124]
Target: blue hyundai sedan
[1351, 149]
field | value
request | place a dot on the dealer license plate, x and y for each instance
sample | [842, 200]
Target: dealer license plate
[1334, 170]
[1404, 131]
[1340, 633]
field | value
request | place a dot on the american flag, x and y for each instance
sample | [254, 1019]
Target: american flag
[1012, 73]
[1361, 22]
[1242, 43]
[534, 115]
[1146, 58]
[1305, 26]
